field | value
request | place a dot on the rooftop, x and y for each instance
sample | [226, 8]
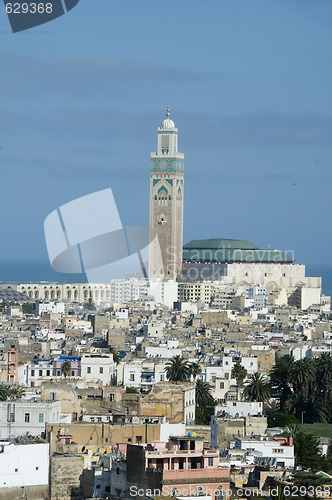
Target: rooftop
[225, 250]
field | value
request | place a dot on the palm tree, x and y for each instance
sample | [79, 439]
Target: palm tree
[203, 394]
[178, 369]
[257, 388]
[16, 392]
[280, 379]
[292, 430]
[239, 372]
[294, 404]
[115, 353]
[195, 370]
[316, 409]
[4, 393]
[303, 375]
[65, 368]
[323, 366]
[205, 402]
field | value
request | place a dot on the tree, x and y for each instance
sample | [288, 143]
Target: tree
[116, 355]
[195, 370]
[89, 304]
[205, 402]
[239, 372]
[4, 392]
[279, 419]
[280, 379]
[178, 369]
[316, 409]
[295, 405]
[323, 366]
[257, 388]
[307, 451]
[303, 376]
[16, 392]
[131, 390]
[27, 308]
[65, 368]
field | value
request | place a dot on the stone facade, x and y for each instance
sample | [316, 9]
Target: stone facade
[65, 477]
[166, 205]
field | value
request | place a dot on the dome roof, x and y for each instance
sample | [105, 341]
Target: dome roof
[168, 123]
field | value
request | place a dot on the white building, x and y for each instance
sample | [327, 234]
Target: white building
[255, 296]
[37, 370]
[163, 351]
[243, 408]
[278, 450]
[164, 292]
[99, 366]
[70, 292]
[124, 291]
[23, 465]
[49, 307]
[20, 417]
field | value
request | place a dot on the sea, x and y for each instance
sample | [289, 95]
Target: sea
[41, 272]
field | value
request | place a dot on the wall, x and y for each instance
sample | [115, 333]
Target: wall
[65, 476]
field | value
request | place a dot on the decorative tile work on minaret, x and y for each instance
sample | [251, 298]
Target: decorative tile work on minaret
[166, 204]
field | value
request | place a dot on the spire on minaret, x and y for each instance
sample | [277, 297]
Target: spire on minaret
[168, 114]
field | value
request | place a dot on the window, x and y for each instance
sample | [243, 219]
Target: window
[162, 378]
[37, 468]
[210, 461]
[234, 404]
[48, 373]
[222, 385]
[32, 373]
[41, 418]
[98, 419]
[278, 450]
[88, 370]
[112, 397]
[26, 417]
[16, 470]
[72, 373]
[101, 369]
[40, 373]
[132, 377]
[92, 419]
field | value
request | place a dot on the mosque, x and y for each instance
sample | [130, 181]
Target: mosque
[233, 261]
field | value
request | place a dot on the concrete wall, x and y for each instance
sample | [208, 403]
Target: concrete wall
[65, 477]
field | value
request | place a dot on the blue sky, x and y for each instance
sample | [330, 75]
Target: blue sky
[249, 86]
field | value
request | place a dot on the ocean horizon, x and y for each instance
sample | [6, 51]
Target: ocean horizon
[40, 272]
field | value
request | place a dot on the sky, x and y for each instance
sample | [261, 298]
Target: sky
[249, 88]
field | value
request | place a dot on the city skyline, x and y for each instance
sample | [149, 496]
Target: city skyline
[247, 85]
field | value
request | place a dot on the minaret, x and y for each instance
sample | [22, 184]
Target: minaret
[166, 204]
